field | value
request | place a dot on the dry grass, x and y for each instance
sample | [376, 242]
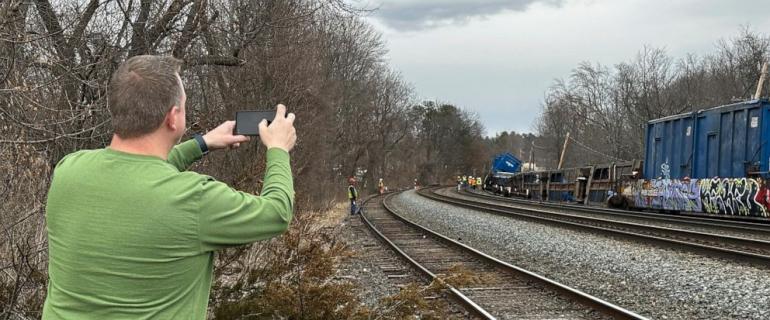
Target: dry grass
[294, 278]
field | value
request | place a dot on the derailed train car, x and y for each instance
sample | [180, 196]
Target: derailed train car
[712, 161]
[588, 185]
[504, 167]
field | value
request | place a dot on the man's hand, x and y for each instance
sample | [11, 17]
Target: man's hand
[281, 133]
[222, 137]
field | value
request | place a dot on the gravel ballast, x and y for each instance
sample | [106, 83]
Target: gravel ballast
[655, 282]
[364, 267]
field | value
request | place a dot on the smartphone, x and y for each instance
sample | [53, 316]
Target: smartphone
[247, 122]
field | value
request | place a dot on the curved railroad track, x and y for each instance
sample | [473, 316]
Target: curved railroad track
[694, 235]
[506, 292]
[391, 273]
[723, 223]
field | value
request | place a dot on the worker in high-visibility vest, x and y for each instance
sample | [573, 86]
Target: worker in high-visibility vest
[465, 182]
[352, 195]
[480, 183]
[381, 186]
[472, 182]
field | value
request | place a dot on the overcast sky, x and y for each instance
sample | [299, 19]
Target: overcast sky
[497, 58]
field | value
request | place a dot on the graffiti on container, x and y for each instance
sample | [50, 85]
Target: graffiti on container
[763, 197]
[665, 170]
[667, 194]
[726, 196]
[740, 196]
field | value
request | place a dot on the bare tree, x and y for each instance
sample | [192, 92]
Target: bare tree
[607, 109]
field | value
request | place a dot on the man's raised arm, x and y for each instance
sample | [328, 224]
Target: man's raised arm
[183, 155]
[229, 217]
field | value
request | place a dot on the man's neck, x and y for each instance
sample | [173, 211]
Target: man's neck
[148, 145]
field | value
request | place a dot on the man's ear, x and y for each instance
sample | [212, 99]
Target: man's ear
[170, 120]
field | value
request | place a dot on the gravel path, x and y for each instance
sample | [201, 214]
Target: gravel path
[655, 282]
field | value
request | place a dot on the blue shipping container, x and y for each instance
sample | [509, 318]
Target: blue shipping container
[726, 141]
[506, 162]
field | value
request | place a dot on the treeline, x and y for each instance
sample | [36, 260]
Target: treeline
[605, 108]
[355, 115]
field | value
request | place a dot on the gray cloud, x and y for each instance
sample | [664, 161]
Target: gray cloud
[405, 15]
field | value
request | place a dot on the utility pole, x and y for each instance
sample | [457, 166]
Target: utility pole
[532, 156]
[761, 81]
[563, 151]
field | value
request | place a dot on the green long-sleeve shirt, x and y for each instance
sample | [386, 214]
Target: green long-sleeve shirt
[133, 236]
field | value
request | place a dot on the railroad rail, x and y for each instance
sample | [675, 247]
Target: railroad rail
[397, 272]
[721, 222]
[731, 247]
[507, 291]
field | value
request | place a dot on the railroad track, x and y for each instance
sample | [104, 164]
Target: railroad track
[761, 228]
[731, 247]
[506, 292]
[389, 268]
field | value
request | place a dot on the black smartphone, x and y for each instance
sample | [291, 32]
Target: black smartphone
[247, 122]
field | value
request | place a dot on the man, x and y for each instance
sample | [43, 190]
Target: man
[381, 187]
[352, 195]
[132, 235]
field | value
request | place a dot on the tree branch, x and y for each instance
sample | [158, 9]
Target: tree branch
[139, 38]
[194, 18]
[77, 34]
[227, 61]
[164, 23]
[53, 27]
